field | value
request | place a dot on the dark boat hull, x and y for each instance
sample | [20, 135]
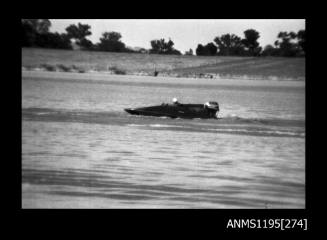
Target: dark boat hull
[175, 111]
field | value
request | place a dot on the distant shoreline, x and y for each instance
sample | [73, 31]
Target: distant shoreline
[101, 77]
[167, 75]
[169, 66]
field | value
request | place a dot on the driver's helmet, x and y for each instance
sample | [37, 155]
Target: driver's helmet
[175, 100]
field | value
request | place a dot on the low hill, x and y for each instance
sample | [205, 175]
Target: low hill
[169, 65]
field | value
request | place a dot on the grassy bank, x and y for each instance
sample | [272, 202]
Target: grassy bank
[166, 65]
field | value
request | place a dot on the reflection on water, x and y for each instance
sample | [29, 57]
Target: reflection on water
[84, 151]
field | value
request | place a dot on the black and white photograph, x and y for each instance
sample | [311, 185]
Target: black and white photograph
[163, 114]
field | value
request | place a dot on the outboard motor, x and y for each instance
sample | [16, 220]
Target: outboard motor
[213, 108]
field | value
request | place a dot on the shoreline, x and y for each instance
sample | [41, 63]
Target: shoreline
[116, 78]
[172, 75]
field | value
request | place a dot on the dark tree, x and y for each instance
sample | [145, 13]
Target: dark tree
[40, 26]
[208, 50]
[31, 28]
[86, 44]
[170, 45]
[199, 50]
[53, 40]
[111, 36]
[269, 50]
[79, 33]
[286, 45]
[229, 44]
[250, 42]
[212, 48]
[160, 46]
[301, 39]
[28, 35]
[110, 42]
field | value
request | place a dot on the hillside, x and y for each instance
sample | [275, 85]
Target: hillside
[167, 65]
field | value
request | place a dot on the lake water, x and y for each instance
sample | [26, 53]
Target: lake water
[81, 150]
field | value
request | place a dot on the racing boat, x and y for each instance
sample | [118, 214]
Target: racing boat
[178, 110]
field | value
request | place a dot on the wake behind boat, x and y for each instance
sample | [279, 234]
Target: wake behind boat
[178, 110]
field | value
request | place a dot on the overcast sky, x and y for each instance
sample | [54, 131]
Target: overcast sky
[185, 34]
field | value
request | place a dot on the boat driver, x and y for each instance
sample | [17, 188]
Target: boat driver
[175, 101]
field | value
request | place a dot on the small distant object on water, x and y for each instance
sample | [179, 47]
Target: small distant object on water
[179, 110]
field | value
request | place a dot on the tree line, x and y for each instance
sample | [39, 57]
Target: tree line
[288, 44]
[36, 34]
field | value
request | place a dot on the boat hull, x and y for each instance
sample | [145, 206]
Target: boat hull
[188, 111]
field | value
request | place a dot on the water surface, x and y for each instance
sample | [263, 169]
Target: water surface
[81, 150]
